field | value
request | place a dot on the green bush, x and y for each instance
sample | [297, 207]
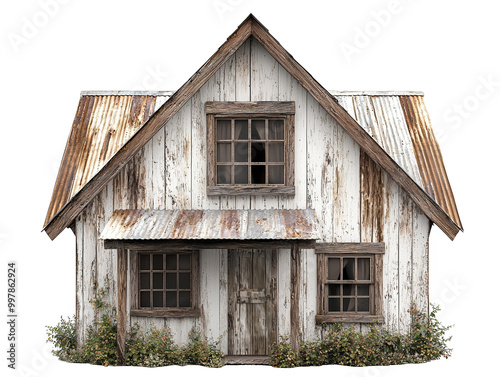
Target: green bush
[100, 346]
[155, 349]
[63, 335]
[282, 354]
[427, 336]
[346, 346]
[200, 351]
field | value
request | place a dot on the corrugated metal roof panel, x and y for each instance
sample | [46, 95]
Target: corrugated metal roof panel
[102, 125]
[400, 124]
[211, 224]
[428, 155]
[383, 118]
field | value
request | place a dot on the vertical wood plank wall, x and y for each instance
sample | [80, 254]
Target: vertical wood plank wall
[354, 199]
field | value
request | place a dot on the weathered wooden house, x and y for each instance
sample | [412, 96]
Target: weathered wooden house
[252, 202]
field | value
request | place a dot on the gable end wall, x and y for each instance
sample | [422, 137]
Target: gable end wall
[354, 201]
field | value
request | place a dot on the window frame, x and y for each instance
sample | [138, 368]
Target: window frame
[251, 110]
[375, 252]
[178, 312]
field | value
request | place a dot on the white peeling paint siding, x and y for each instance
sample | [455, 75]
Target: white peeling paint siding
[169, 172]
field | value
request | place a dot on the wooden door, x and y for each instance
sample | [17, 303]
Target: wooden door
[252, 301]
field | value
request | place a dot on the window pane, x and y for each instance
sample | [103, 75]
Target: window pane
[158, 262]
[171, 280]
[158, 280]
[363, 289]
[348, 305]
[363, 268]
[276, 129]
[171, 261]
[145, 300]
[348, 289]
[334, 304]
[241, 174]
[258, 152]
[363, 305]
[223, 175]
[171, 299]
[348, 270]
[157, 299]
[333, 268]
[144, 281]
[223, 152]
[184, 299]
[185, 280]
[241, 152]
[333, 290]
[276, 152]
[258, 129]
[241, 129]
[184, 262]
[276, 174]
[144, 261]
[223, 129]
[258, 174]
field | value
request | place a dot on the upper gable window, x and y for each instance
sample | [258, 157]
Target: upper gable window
[250, 147]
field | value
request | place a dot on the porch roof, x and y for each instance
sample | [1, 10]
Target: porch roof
[273, 224]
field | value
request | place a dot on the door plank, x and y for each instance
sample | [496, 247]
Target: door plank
[258, 311]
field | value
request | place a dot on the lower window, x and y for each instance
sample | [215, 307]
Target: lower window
[349, 282]
[167, 283]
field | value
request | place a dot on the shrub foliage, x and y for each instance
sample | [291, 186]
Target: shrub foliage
[344, 346]
[156, 348]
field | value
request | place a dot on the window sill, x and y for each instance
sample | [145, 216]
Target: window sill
[166, 313]
[349, 318]
[250, 190]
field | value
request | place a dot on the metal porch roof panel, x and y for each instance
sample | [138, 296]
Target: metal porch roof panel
[279, 224]
[400, 124]
[103, 123]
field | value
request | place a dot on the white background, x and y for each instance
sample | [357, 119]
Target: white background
[448, 49]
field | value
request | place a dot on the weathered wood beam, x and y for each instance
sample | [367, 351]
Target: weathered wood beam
[294, 297]
[161, 245]
[350, 247]
[122, 267]
[258, 107]
[156, 313]
[349, 318]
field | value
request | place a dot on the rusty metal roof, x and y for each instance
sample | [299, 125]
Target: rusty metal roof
[400, 124]
[397, 121]
[279, 224]
[103, 123]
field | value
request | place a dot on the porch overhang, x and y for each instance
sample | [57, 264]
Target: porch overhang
[210, 229]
